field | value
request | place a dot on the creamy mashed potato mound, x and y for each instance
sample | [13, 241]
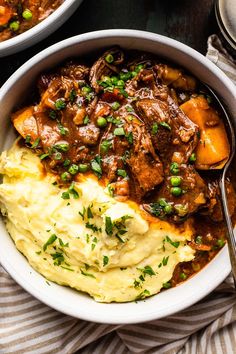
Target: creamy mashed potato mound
[90, 242]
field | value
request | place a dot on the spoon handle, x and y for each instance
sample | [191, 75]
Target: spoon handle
[230, 232]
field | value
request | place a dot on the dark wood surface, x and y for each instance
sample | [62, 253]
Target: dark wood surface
[189, 21]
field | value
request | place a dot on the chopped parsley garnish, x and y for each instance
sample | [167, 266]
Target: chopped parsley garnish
[58, 258]
[137, 284]
[43, 156]
[105, 260]
[174, 244]
[110, 190]
[120, 238]
[129, 109]
[71, 270]
[96, 166]
[65, 195]
[198, 240]
[108, 225]
[50, 241]
[86, 120]
[38, 253]
[165, 125]
[62, 129]
[62, 244]
[129, 137]
[119, 131]
[122, 173]
[89, 213]
[166, 285]
[72, 191]
[87, 274]
[61, 147]
[36, 143]
[148, 270]
[113, 120]
[165, 260]
[115, 106]
[105, 146]
[27, 139]
[93, 227]
[72, 95]
[60, 104]
[52, 114]
[82, 213]
[154, 128]
[142, 295]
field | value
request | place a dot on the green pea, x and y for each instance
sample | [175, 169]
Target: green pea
[139, 67]
[183, 276]
[175, 181]
[168, 209]
[220, 243]
[73, 169]
[101, 122]
[176, 191]
[14, 26]
[65, 176]
[109, 58]
[174, 168]
[27, 14]
[83, 167]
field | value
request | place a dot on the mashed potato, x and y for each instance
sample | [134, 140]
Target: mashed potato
[84, 238]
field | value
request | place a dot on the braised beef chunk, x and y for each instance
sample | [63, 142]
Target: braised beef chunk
[173, 134]
[177, 203]
[120, 120]
[144, 164]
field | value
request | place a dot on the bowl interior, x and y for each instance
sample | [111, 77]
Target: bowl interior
[65, 299]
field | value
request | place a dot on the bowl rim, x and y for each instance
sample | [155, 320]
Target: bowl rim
[22, 39]
[108, 317]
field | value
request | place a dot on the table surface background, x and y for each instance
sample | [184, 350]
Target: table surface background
[188, 21]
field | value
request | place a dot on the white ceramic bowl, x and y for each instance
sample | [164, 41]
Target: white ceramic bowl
[41, 30]
[65, 299]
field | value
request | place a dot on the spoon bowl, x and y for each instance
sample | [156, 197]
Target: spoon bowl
[222, 178]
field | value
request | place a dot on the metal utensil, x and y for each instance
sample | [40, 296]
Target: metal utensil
[222, 177]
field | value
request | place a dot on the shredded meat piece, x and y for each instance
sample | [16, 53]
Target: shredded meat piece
[175, 131]
[101, 67]
[143, 162]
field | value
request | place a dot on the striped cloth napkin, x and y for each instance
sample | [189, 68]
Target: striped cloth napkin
[28, 326]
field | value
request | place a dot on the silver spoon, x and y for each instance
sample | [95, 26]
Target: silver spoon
[230, 235]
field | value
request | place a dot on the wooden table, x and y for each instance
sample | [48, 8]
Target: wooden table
[188, 21]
